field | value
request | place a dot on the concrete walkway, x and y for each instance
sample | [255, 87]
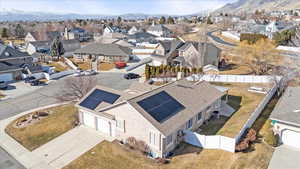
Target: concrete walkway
[54, 154]
[285, 157]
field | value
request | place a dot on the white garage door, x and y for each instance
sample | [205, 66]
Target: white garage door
[89, 120]
[291, 138]
[6, 77]
[103, 126]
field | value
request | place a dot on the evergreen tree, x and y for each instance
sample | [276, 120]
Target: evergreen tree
[57, 48]
[4, 33]
[162, 20]
[171, 20]
[119, 20]
[19, 31]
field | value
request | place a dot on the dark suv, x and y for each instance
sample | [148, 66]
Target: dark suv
[131, 76]
[3, 85]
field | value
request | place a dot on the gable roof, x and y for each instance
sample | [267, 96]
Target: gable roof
[7, 52]
[69, 45]
[185, 93]
[158, 28]
[288, 109]
[105, 50]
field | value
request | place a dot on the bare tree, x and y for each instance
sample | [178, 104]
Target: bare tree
[76, 88]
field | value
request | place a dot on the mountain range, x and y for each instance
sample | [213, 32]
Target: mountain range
[253, 5]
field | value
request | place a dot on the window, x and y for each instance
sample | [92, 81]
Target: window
[169, 139]
[189, 124]
[152, 138]
[199, 116]
[120, 124]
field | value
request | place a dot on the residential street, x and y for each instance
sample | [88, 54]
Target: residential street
[45, 95]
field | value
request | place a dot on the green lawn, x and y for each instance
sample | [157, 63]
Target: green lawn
[60, 120]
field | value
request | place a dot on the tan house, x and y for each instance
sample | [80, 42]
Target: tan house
[103, 53]
[186, 54]
[158, 116]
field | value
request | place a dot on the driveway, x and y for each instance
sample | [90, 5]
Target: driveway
[285, 157]
[7, 162]
[69, 146]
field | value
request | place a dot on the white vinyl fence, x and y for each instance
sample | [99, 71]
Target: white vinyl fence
[210, 142]
[62, 74]
[70, 64]
[225, 78]
[257, 112]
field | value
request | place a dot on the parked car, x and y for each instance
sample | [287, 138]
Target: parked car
[131, 76]
[36, 82]
[120, 65]
[3, 85]
[29, 79]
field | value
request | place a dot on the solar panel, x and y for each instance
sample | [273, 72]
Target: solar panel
[97, 97]
[161, 106]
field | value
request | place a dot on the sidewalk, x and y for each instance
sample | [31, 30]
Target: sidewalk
[54, 154]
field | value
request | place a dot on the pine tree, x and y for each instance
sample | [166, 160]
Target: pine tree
[57, 48]
[162, 20]
[4, 33]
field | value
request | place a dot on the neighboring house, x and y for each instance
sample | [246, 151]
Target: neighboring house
[286, 118]
[13, 62]
[157, 117]
[133, 30]
[141, 37]
[44, 47]
[120, 42]
[159, 30]
[41, 36]
[77, 34]
[103, 53]
[186, 54]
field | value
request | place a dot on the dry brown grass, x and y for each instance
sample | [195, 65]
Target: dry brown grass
[114, 156]
[58, 67]
[106, 66]
[82, 65]
[237, 70]
[61, 120]
[245, 103]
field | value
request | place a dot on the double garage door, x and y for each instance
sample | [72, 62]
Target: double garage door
[98, 123]
[6, 77]
[291, 138]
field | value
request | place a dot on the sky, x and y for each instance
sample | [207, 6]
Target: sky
[114, 7]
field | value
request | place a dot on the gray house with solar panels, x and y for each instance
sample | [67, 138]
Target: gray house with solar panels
[156, 116]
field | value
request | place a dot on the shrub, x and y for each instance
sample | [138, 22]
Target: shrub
[249, 138]
[162, 161]
[131, 141]
[143, 147]
[252, 38]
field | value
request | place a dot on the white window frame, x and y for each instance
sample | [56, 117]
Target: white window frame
[188, 123]
[200, 113]
[169, 139]
[152, 138]
[120, 124]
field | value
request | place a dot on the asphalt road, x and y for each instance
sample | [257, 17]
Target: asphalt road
[46, 95]
[219, 40]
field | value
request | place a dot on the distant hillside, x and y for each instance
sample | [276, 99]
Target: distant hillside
[253, 5]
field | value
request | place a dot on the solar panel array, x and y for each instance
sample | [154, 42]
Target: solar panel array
[97, 97]
[161, 106]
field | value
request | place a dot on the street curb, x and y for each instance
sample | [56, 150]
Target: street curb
[7, 141]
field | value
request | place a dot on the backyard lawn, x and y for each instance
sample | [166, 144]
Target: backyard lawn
[60, 120]
[237, 70]
[82, 65]
[106, 66]
[58, 67]
[244, 102]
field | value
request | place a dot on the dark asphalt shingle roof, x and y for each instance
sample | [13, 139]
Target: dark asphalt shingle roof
[7, 52]
[288, 108]
[105, 50]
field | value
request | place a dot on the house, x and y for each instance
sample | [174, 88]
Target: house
[77, 34]
[159, 30]
[286, 117]
[121, 42]
[186, 54]
[13, 62]
[133, 30]
[41, 36]
[157, 117]
[44, 47]
[103, 53]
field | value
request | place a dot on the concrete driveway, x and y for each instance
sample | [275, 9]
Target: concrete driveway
[69, 146]
[285, 157]
[7, 162]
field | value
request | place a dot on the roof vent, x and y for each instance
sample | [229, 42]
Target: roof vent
[6, 54]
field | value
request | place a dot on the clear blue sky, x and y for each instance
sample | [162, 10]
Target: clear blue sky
[115, 7]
